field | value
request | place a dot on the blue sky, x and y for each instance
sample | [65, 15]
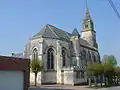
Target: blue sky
[21, 19]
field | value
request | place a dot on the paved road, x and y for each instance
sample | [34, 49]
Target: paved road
[72, 88]
[112, 88]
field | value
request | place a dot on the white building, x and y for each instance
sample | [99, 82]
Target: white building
[64, 55]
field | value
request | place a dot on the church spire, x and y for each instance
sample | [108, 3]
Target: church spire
[88, 32]
[87, 13]
[87, 21]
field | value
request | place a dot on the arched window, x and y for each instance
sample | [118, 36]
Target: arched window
[82, 74]
[35, 54]
[86, 25]
[94, 58]
[83, 57]
[64, 56]
[84, 54]
[50, 58]
[89, 57]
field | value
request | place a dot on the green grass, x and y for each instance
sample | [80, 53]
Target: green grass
[95, 87]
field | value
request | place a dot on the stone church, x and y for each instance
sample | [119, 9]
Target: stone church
[64, 55]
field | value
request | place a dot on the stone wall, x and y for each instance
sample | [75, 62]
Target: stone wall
[70, 78]
[60, 77]
[49, 77]
[43, 78]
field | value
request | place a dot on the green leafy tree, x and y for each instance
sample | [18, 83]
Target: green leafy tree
[36, 66]
[108, 73]
[117, 74]
[95, 73]
[112, 60]
[99, 70]
[90, 70]
[94, 70]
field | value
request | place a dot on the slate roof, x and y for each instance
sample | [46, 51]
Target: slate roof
[49, 31]
[75, 32]
[87, 14]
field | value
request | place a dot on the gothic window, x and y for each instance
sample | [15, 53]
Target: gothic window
[83, 55]
[50, 58]
[89, 57]
[75, 63]
[82, 74]
[64, 56]
[35, 54]
[77, 74]
[98, 58]
[94, 58]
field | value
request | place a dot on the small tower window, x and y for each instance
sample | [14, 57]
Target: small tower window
[86, 26]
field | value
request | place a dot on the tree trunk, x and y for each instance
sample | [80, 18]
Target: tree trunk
[113, 80]
[101, 80]
[89, 81]
[107, 80]
[117, 80]
[35, 79]
[95, 79]
[104, 81]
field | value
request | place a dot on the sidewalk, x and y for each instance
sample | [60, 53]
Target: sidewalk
[65, 87]
[69, 87]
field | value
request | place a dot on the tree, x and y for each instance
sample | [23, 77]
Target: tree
[117, 74]
[95, 73]
[36, 66]
[90, 72]
[106, 70]
[94, 70]
[108, 73]
[99, 70]
[112, 60]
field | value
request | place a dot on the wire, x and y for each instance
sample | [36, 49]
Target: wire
[114, 8]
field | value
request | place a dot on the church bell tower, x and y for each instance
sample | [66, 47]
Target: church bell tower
[88, 33]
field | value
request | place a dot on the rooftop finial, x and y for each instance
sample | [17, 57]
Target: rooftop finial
[86, 3]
